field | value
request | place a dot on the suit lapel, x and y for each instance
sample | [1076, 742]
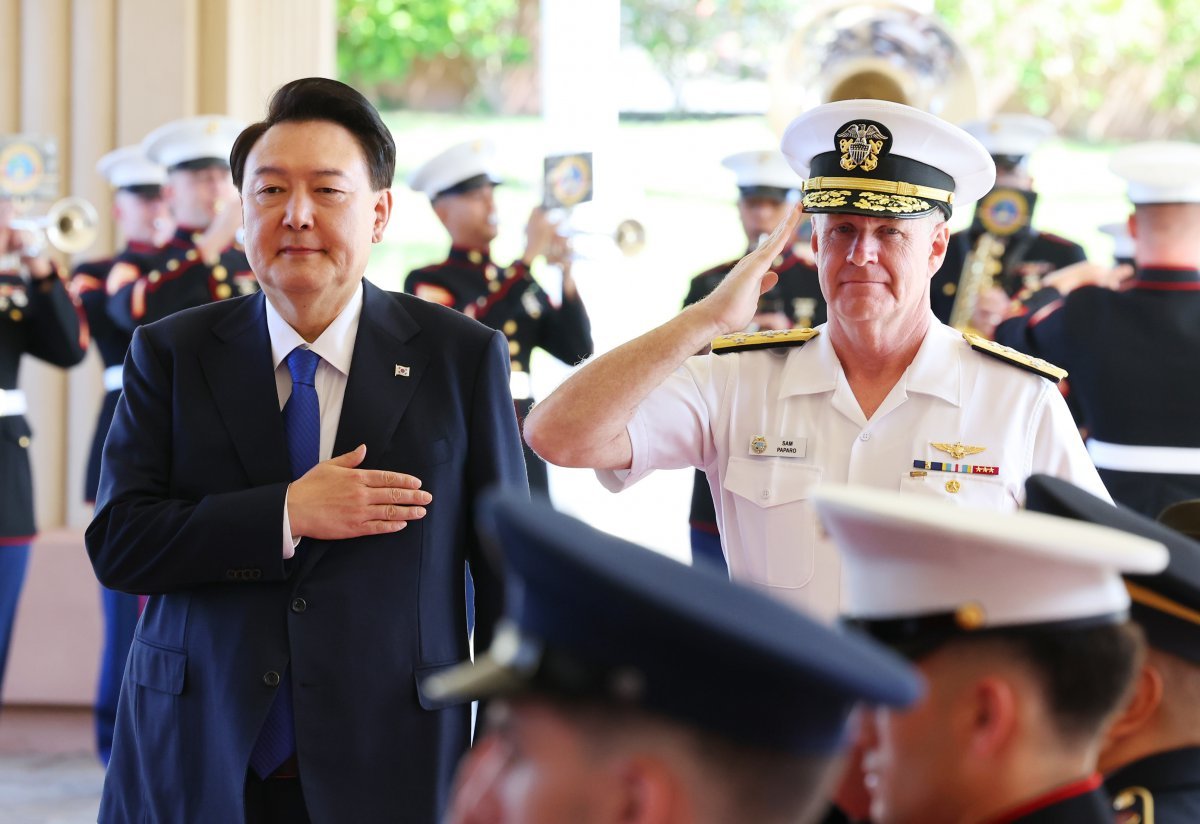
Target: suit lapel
[384, 374]
[376, 393]
[239, 372]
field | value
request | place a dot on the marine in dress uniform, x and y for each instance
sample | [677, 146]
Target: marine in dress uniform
[459, 184]
[1133, 351]
[621, 676]
[1000, 612]
[37, 318]
[203, 262]
[768, 416]
[138, 207]
[766, 187]
[1010, 255]
[1152, 754]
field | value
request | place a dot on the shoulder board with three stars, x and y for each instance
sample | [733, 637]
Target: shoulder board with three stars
[769, 339]
[1012, 356]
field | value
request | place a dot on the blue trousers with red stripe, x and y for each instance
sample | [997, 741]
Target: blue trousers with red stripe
[13, 562]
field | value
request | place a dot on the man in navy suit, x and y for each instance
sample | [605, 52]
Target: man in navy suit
[278, 673]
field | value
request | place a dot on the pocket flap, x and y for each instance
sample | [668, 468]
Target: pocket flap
[771, 481]
[423, 674]
[157, 667]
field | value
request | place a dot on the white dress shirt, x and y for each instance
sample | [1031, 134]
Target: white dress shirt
[796, 406]
[336, 348]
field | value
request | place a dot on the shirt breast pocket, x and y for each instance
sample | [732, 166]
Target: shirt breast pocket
[978, 491]
[775, 522]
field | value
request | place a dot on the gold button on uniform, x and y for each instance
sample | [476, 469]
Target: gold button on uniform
[494, 286]
[172, 265]
[154, 276]
[514, 348]
[475, 257]
[23, 442]
[192, 254]
[953, 486]
[949, 289]
[223, 290]
[510, 327]
[220, 272]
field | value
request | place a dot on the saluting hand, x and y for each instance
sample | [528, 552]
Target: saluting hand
[733, 304]
[1086, 273]
[336, 500]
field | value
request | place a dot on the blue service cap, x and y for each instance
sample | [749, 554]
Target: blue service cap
[589, 615]
[1167, 605]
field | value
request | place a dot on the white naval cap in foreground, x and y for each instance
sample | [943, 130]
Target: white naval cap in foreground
[762, 172]
[1159, 171]
[1009, 135]
[193, 139]
[883, 159]
[129, 166]
[460, 168]
[917, 572]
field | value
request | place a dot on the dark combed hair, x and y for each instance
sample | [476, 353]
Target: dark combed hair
[1085, 674]
[319, 98]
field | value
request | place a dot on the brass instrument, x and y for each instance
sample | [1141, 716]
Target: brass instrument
[981, 270]
[70, 225]
[882, 50]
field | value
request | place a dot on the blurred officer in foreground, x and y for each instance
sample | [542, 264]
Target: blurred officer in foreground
[1019, 623]
[459, 183]
[204, 261]
[1152, 753]
[625, 686]
[1001, 255]
[38, 318]
[1139, 388]
[767, 187]
[881, 395]
[139, 212]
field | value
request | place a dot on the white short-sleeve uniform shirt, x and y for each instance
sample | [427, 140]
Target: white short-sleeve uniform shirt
[768, 426]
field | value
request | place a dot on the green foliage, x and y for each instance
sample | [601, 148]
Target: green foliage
[1099, 69]
[379, 41]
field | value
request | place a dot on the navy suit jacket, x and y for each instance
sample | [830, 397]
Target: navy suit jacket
[190, 511]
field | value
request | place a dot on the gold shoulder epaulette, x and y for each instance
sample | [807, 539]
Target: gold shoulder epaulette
[769, 339]
[1134, 804]
[1019, 359]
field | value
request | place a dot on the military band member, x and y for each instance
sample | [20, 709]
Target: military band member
[1151, 756]
[1010, 257]
[673, 702]
[1132, 345]
[204, 261]
[139, 211]
[881, 395]
[37, 318]
[767, 187]
[1019, 623]
[459, 183]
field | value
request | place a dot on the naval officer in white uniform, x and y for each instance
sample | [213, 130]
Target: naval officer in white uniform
[881, 395]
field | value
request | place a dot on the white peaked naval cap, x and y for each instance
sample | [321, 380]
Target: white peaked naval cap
[129, 166]
[957, 570]
[459, 168]
[884, 159]
[207, 137]
[1160, 171]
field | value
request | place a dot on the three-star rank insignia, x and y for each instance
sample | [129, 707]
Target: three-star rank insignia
[768, 339]
[1012, 356]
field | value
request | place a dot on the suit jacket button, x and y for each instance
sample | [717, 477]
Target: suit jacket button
[271, 678]
[299, 605]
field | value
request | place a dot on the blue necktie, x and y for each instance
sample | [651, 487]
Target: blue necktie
[302, 424]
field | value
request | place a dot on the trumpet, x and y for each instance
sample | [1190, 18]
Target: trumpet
[70, 225]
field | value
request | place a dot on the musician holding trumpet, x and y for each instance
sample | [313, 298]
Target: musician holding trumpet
[38, 318]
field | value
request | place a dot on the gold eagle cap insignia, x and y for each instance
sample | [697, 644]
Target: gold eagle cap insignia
[956, 450]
